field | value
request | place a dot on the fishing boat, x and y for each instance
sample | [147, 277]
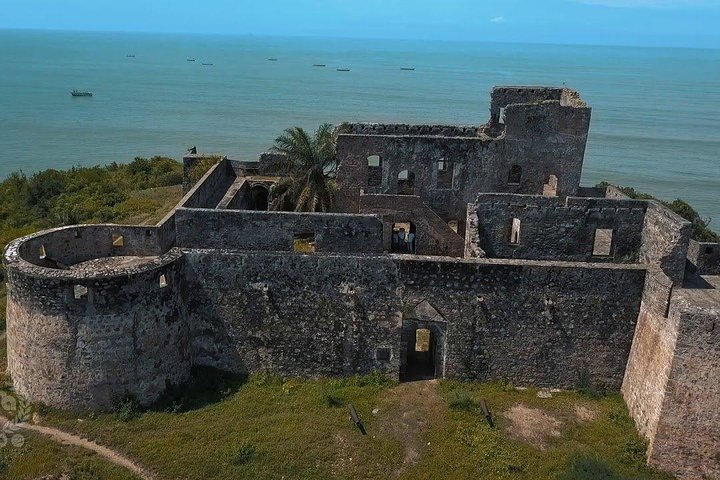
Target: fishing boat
[78, 93]
[272, 59]
[409, 69]
[208, 64]
[343, 69]
[130, 55]
[319, 65]
[190, 59]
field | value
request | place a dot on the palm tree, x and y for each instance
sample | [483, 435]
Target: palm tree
[310, 165]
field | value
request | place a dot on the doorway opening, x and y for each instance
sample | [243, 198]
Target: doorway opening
[259, 198]
[403, 238]
[422, 344]
[406, 183]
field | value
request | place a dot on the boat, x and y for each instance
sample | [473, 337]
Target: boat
[409, 69]
[319, 65]
[207, 64]
[271, 59]
[343, 69]
[190, 59]
[77, 93]
[130, 55]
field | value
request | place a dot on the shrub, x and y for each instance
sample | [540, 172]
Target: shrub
[585, 386]
[127, 408]
[244, 454]
[584, 467]
[460, 400]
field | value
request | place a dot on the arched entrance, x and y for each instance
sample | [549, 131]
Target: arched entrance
[259, 198]
[423, 346]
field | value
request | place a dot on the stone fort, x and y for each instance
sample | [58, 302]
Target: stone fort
[516, 273]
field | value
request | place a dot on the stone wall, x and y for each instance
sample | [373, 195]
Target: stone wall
[433, 235]
[297, 315]
[665, 240]
[542, 139]
[687, 438]
[256, 230]
[502, 96]
[529, 323]
[80, 339]
[671, 384]
[652, 351]
[211, 188]
[704, 257]
[553, 228]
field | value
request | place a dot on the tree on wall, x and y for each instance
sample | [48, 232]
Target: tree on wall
[310, 165]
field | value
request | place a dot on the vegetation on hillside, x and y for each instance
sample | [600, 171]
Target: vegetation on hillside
[138, 192]
[700, 226]
[310, 161]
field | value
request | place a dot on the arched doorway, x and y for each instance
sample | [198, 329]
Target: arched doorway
[259, 197]
[423, 350]
[406, 183]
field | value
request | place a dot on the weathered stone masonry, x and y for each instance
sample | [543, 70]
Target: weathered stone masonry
[520, 275]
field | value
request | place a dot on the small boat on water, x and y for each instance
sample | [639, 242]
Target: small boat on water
[208, 64]
[130, 55]
[409, 69]
[319, 65]
[190, 59]
[78, 93]
[343, 69]
[272, 59]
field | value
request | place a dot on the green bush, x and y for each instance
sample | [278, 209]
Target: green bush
[459, 399]
[585, 386]
[127, 408]
[244, 454]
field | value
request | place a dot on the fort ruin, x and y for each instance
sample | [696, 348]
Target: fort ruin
[517, 273]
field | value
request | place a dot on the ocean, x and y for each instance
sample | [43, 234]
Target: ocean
[655, 123]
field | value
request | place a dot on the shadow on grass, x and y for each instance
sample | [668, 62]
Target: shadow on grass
[206, 386]
[585, 467]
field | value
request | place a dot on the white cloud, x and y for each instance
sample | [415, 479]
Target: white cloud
[649, 3]
[499, 19]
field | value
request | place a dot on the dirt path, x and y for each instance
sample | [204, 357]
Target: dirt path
[68, 438]
[405, 415]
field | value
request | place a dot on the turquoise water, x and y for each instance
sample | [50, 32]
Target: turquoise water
[655, 119]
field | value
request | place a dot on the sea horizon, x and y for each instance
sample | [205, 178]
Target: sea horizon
[653, 127]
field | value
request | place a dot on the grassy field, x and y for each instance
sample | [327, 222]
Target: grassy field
[270, 428]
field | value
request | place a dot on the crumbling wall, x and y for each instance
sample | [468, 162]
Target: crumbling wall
[257, 230]
[297, 315]
[704, 257]
[529, 323]
[432, 235]
[81, 339]
[553, 228]
[211, 188]
[687, 439]
[502, 96]
[653, 347]
[665, 240]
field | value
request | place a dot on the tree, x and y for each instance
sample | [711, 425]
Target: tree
[310, 166]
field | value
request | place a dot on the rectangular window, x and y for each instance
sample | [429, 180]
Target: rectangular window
[501, 116]
[163, 281]
[304, 243]
[118, 240]
[444, 174]
[515, 231]
[383, 354]
[374, 171]
[602, 246]
[42, 253]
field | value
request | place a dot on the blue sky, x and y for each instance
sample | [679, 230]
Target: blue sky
[689, 23]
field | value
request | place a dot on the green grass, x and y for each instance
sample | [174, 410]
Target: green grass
[270, 428]
[39, 457]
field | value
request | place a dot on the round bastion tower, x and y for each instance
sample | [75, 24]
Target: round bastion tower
[94, 314]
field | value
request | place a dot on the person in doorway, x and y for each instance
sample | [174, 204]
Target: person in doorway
[401, 239]
[411, 242]
[395, 240]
